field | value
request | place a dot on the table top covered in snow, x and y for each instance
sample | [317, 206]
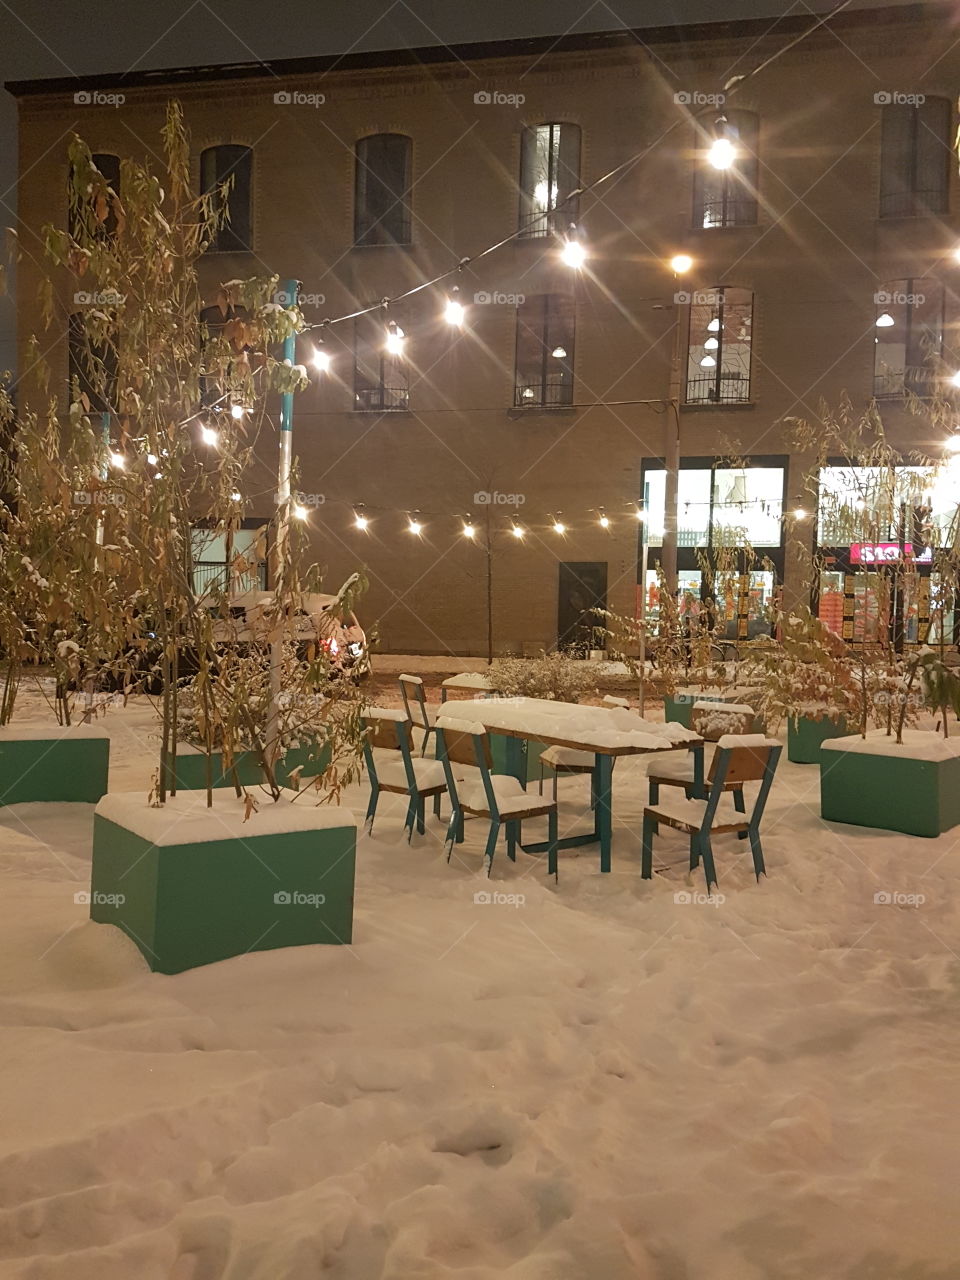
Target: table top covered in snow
[601, 730]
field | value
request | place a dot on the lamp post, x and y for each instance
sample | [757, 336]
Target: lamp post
[680, 264]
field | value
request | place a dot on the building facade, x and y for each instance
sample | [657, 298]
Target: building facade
[822, 267]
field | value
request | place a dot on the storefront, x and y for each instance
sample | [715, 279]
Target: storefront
[877, 530]
[729, 540]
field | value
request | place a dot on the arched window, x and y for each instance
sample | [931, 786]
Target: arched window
[549, 173]
[915, 158]
[233, 164]
[719, 347]
[109, 166]
[908, 342]
[382, 204]
[728, 197]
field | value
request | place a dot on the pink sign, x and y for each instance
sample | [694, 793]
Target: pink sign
[886, 553]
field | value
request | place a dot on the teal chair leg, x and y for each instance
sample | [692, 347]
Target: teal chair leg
[758, 864]
[654, 793]
[646, 866]
[707, 854]
[372, 807]
[694, 851]
[512, 841]
[436, 803]
[460, 828]
[552, 845]
[492, 844]
[453, 828]
[740, 804]
[421, 824]
[410, 818]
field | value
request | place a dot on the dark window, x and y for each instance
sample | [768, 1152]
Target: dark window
[728, 197]
[908, 339]
[545, 335]
[718, 350]
[549, 173]
[234, 165]
[109, 166]
[914, 158]
[382, 209]
[92, 368]
[381, 377]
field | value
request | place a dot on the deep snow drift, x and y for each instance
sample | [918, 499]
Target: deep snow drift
[606, 1078]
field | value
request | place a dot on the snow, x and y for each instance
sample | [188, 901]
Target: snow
[386, 713]
[918, 744]
[605, 1077]
[467, 680]
[186, 818]
[411, 679]
[733, 740]
[725, 708]
[21, 731]
[459, 725]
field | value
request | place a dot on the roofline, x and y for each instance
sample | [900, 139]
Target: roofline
[535, 47]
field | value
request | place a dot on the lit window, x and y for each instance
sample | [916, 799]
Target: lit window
[728, 197]
[718, 352]
[381, 377]
[545, 336]
[549, 173]
[908, 338]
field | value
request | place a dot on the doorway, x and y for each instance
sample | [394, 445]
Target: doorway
[582, 588]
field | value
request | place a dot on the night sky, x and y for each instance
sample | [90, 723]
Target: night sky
[63, 38]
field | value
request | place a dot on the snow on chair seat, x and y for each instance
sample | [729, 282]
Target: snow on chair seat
[388, 754]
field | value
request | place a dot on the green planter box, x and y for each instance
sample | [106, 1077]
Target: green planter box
[310, 758]
[805, 736]
[191, 885]
[678, 707]
[191, 769]
[53, 764]
[916, 791]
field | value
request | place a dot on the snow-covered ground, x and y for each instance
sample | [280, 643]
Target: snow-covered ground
[595, 1079]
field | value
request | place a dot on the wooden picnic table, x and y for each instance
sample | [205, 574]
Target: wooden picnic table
[467, 682]
[493, 718]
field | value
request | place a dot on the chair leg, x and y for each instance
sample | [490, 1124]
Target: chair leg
[460, 828]
[512, 841]
[491, 844]
[646, 865]
[453, 826]
[758, 863]
[740, 804]
[694, 851]
[708, 868]
[421, 823]
[436, 803]
[372, 808]
[654, 797]
[410, 818]
[552, 868]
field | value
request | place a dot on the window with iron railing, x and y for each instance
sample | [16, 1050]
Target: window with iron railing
[719, 347]
[915, 150]
[908, 337]
[382, 190]
[549, 174]
[381, 377]
[546, 325]
[728, 197]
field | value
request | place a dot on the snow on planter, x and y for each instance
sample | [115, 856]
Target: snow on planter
[68, 763]
[806, 734]
[191, 885]
[191, 770]
[873, 782]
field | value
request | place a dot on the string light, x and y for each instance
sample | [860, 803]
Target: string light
[799, 513]
[956, 253]
[395, 339]
[558, 525]
[360, 521]
[956, 379]
[573, 253]
[517, 529]
[414, 526]
[321, 360]
[454, 312]
[722, 152]
[237, 411]
[299, 512]
[469, 528]
[152, 459]
[118, 460]
[604, 519]
[235, 497]
[681, 263]
[209, 435]
[639, 513]
[952, 443]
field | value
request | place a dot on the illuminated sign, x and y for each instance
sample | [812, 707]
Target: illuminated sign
[887, 553]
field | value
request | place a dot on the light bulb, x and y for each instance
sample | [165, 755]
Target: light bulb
[559, 353]
[395, 340]
[469, 531]
[722, 153]
[237, 411]
[799, 513]
[321, 360]
[360, 521]
[152, 459]
[681, 262]
[956, 253]
[885, 320]
[574, 254]
[528, 393]
[639, 514]
[517, 531]
[118, 460]
[299, 512]
[604, 522]
[235, 497]
[415, 527]
[454, 312]
[711, 344]
[714, 325]
[952, 444]
[708, 362]
[956, 379]
[209, 436]
[559, 526]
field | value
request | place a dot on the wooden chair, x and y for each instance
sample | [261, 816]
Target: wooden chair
[407, 776]
[567, 760]
[679, 773]
[422, 713]
[473, 789]
[700, 819]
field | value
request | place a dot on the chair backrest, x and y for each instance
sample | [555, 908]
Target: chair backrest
[388, 734]
[742, 764]
[416, 704]
[456, 746]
